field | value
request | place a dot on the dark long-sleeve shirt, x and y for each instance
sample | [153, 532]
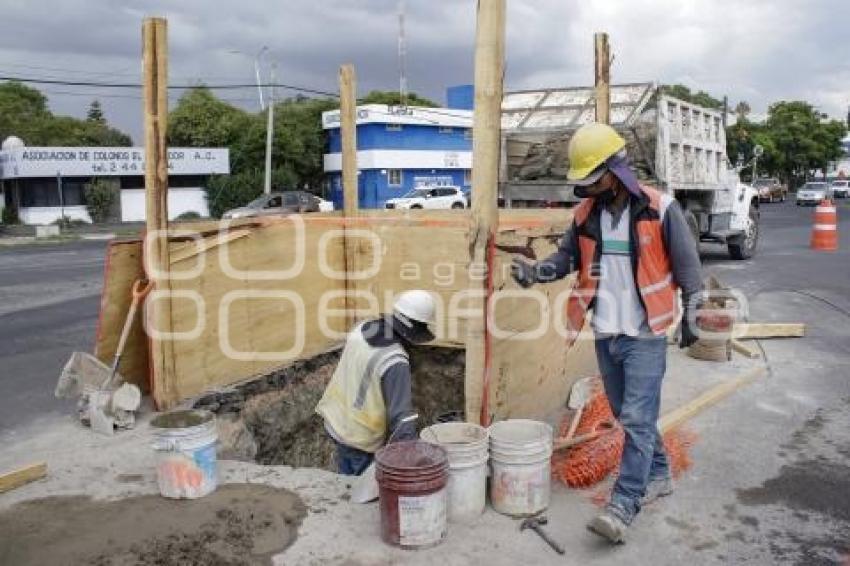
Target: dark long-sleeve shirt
[396, 382]
[678, 242]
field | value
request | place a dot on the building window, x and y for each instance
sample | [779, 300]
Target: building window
[467, 134]
[467, 176]
[394, 177]
[393, 127]
[446, 130]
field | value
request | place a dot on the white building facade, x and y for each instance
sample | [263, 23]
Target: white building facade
[46, 183]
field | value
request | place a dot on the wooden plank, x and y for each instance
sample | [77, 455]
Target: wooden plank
[714, 395]
[123, 266]
[351, 198]
[486, 132]
[22, 476]
[602, 75]
[744, 350]
[758, 330]
[157, 263]
[197, 247]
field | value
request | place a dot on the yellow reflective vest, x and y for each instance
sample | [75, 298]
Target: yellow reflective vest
[353, 404]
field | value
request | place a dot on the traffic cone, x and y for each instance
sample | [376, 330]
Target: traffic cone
[825, 229]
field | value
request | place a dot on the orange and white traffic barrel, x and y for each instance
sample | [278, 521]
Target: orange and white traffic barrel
[825, 229]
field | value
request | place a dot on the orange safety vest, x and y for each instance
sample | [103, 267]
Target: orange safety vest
[653, 276]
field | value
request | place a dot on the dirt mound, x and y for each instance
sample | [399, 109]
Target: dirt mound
[237, 525]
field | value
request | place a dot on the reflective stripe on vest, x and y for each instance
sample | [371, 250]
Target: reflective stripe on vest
[654, 276]
[353, 403]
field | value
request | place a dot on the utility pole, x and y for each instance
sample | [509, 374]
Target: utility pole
[157, 257]
[350, 200]
[267, 182]
[484, 218]
[602, 76]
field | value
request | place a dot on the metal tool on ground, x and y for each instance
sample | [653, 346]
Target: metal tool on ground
[536, 525]
[579, 395]
[365, 488]
[104, 401]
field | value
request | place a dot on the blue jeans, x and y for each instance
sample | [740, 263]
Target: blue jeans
[632, 370]
[351, 461]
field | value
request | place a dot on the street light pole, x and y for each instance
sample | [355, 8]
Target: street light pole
[257, 74]
[267, 184]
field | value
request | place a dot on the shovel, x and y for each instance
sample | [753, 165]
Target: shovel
[579, 395]
[365, 487]
[88, 377]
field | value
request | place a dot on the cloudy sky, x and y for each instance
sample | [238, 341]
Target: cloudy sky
[754, 50]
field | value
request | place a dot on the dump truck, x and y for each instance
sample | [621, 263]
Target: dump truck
[675, 146]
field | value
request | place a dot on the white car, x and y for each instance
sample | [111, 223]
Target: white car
[430, 198]
[841, 189]
[812, 193]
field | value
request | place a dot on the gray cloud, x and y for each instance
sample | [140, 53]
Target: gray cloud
[757, 50]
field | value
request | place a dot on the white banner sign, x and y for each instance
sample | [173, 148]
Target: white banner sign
[26, 162]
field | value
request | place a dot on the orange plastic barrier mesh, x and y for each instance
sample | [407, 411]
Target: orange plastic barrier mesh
[589, 463]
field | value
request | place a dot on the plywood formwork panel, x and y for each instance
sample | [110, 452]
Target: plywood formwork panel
[122, 267]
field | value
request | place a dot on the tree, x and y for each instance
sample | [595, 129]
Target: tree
[202, 120]
[95, 113]
[742, 110]
[700, 98]
[393, 98]
[24, 113]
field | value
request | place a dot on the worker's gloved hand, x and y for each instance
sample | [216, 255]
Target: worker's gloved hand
[523, 273]
[688, 336]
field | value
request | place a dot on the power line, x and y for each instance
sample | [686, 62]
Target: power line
[171, 87]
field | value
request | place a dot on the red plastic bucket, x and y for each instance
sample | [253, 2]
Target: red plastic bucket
[412, 478]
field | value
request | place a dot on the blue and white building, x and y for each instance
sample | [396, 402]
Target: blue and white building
[401, 148]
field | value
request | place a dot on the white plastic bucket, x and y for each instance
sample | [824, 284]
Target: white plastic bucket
[468, 450]
[520, 454]
[185, 444]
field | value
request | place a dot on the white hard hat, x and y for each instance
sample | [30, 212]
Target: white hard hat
[416, 305]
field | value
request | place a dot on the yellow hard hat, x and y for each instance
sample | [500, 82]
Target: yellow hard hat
[589, 147]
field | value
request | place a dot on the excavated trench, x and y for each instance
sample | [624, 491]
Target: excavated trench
[272, 420]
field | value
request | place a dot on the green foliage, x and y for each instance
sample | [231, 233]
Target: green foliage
[796, 140]
[232, 191]
[66, 222]
[24, 113]
[95, 113]
[189, 215]
[393, 98]
[700, 98]
[10, 215]
[200, 119]
[100, 198]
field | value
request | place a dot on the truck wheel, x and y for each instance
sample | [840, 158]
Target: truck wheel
[744, 246]
[416, 207]
[693, 226]
[457, 205]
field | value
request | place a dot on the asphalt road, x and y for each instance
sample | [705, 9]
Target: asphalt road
[49, 301]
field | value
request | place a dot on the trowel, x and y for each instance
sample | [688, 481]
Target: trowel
[365, 488]
[579, 396]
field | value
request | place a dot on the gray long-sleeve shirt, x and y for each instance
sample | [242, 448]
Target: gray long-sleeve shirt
[678, 242]
[396, 382]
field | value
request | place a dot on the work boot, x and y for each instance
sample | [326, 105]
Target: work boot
[657, 488]
[610, 526]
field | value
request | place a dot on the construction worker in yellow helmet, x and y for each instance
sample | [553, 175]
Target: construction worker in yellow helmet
[633, 252]
[368, 401]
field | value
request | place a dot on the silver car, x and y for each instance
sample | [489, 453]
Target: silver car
[812, 193]
[276, 203]
[841, 188]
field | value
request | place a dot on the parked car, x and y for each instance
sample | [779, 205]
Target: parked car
[276, 203]
[841, 188]
[325, 205]
[771, 190]
[812, 193]
[431, 198]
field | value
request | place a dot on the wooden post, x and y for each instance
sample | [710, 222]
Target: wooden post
[602, 77]
[157, 261]
[350, 198]
[484, 219]
[348, 132]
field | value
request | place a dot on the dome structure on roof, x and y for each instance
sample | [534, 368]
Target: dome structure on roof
[12, 142]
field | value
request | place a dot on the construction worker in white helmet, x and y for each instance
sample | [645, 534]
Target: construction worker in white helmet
[633, 251]
[370, 395]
